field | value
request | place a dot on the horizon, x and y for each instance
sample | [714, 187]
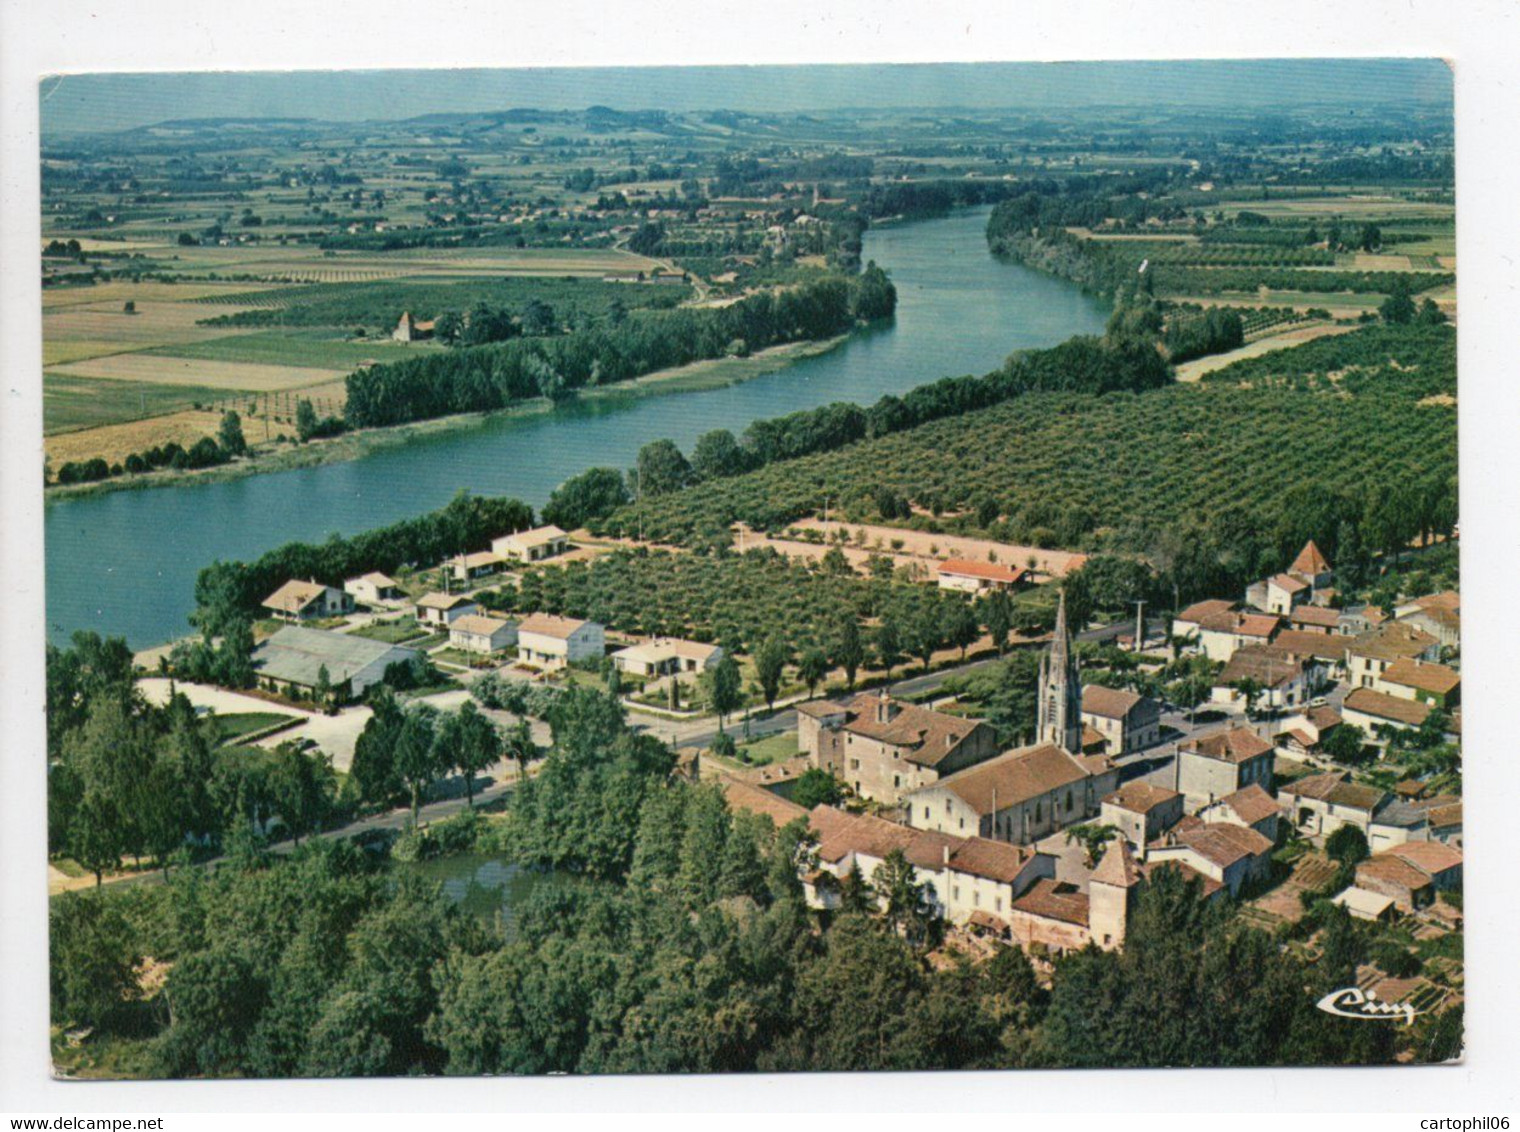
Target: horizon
[105, 102]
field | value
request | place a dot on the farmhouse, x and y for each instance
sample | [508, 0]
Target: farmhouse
[1322, 803]
[1019, 796]
[443, 610]
[548, 641]
[297, 656]
[1222, 763]
[1314, 619]
[1061, 918]
[1141, 812]
[409, 329]
[1127, 721]
[531, 546]
[307, 601]
[476, 633]
[969, 576]
[666, 656]
[372, 588]
[885, 747]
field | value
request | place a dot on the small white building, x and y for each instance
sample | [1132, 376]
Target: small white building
[548, 641]
[666, 656]
[373, 588]
[442, 610]
[308, 601]
[478, 633]
[972, 577]
[469, 567]
[531, 546]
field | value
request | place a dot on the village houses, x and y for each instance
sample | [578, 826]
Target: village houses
[972, 577]
[666, 656]
[373, 588]
[478, 633]
[1213, 766]
[1439, 615]
[531, 546]
[442, 610]
[1127, 721]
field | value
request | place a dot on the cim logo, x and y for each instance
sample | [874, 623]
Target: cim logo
[1353, 1002]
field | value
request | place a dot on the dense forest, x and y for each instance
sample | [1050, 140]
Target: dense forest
[671, 936]
[493, 376]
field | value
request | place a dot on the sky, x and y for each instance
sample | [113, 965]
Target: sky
[100, 102]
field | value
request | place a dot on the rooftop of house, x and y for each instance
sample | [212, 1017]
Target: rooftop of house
[538, 536]
[1382, 706]
[841, 834]
[1208, 886]
[477, 559]
[1054, 900]
[1429, 856]
[1423, 675]
[479, 625]
[1288, 583]
[990, 571]
[759, 800]
[1110, 703]
[1310, 561]
[1392, 640]
[1364, 903]
[297, 655]
[1118, 866]
[1013, 778]
[667, 648]
[1235, 745]
[294, 596]
[1320, 646]
[1251, 804]
[444, 601]
[1140, 797]
[1262, 625]
[1333, 788]
[1221, 843]
[377, 579]
[1267, 665]
[551, 625]
[926, 736]
[1314, 615]
[1391, 870]
[1196, 612]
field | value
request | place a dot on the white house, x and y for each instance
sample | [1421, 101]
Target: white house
[548, 641]
[304, 658]
[1283, 679]
[1127, 721]
[666, 656]
[967, 576]
[469, 567]
[307, 601]
[531, 546]
[442, 610]
[373, 588]
[477, 633]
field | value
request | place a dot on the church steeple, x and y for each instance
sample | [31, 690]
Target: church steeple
[1060, 714]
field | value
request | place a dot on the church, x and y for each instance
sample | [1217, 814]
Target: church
[1030, 792]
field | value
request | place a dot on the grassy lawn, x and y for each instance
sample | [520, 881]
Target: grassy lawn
[234, 725]
[771, 749]
[393, 632]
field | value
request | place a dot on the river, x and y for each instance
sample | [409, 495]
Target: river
[124, 563]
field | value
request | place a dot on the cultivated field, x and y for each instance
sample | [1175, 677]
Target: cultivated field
[243, 376]
[1193, 370]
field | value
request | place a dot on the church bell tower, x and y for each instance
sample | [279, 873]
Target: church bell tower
[1060, 714]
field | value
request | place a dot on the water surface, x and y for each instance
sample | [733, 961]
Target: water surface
[124, 562]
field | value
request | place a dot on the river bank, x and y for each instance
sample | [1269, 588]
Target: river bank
[712, 373]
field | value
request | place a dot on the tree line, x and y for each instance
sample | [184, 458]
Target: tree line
[492, 376]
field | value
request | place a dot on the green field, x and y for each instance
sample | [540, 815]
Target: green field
[70, 403]
[296, 347]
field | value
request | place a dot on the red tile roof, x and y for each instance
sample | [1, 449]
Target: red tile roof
[1140, 797]
[1236, 745]
[1426, 676]
[1013, 777]
[989, 571]
[1110, 703]
[1393, 709]
[927, 737]
[758, 800]
[1201, 609]
[1251, 804]
[1054, 900]
[1118, 867]
[1310, 561]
